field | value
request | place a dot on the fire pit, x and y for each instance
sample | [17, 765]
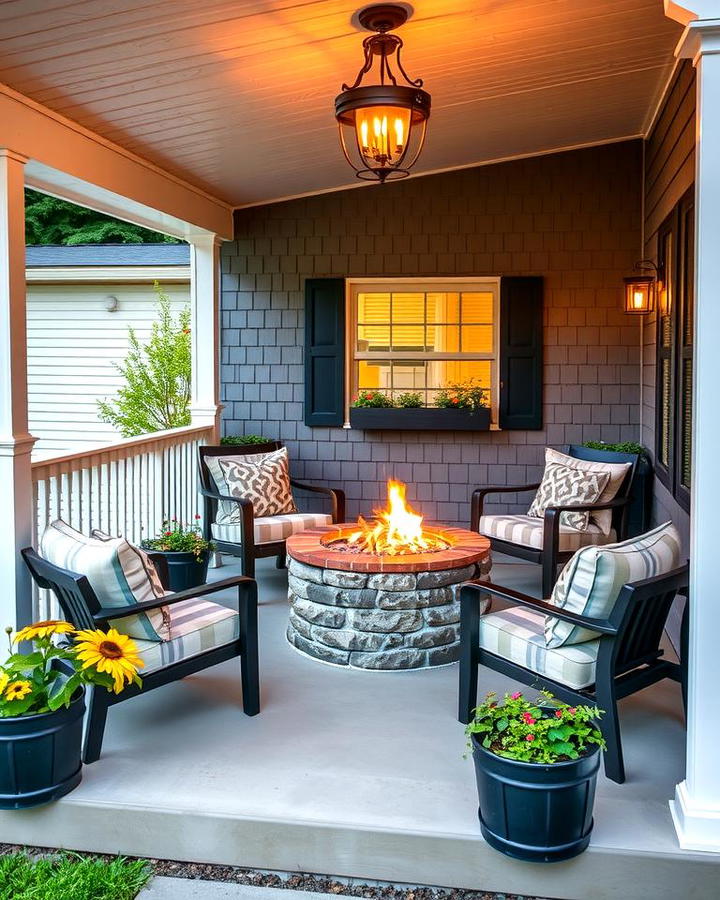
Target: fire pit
[381, 594]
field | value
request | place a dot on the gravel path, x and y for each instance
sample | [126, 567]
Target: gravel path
[301, 881]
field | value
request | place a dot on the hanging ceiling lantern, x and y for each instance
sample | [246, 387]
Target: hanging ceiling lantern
[382, 126]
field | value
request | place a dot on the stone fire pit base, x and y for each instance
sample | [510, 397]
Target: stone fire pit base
[401, 620]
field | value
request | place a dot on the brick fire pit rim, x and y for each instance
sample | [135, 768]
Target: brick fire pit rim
[309, 547]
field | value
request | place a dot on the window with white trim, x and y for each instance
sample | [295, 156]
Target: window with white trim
[423, 335]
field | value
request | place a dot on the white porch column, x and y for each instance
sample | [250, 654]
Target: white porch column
[696, 808]
[15, 442]
[205, 330]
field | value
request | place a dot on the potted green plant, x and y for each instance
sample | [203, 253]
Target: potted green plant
[42, 703]
[242, 440]
[186, 551]
[536, 765]
[458, 407]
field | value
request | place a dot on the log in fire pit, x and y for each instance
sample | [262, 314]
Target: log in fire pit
[382, 594]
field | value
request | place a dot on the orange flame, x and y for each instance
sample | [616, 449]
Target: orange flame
[398, 529]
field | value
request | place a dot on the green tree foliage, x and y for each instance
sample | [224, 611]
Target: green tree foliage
[156, 393]
[49, 220]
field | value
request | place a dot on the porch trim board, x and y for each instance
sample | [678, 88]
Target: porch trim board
[696, 807]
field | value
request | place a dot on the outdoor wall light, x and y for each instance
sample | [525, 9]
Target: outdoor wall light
[382, 126]
[640, 290]
[111, 303]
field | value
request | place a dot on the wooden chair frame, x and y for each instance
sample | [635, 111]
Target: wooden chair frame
[550, 556]
[248, 551]
[629, 657]
[82, 609]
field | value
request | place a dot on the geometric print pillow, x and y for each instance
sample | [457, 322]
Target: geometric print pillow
[591, 582]
[563, 486]
[263, 478]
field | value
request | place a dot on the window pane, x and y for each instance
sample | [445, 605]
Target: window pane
[665, 412]
[476, 338]
[443, 338]
[443, 307]
[666, 294]
[408, 375]
[408, 308]
[373, 337]
[373, 375]
[449, 371]
[477, 307]
[408, 337]
[373, 307]
[686, 425]
[689, 278]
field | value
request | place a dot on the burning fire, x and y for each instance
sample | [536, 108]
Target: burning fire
[398, 529]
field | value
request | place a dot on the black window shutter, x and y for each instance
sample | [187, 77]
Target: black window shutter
[521, 352]
[324, 351]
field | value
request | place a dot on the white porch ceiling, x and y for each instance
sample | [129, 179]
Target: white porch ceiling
[237, 97]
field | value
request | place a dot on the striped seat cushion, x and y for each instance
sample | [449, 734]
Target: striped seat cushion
[591, 582]
[528, 531]
[272, 528]
[195, 626]
[119, 574]
[518, 635]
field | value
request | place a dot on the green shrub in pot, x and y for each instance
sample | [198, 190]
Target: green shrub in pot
[536, 764]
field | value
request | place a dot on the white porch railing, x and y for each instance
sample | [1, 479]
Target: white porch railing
[126, 489]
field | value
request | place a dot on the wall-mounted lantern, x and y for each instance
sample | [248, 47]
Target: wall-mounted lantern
[640, 290]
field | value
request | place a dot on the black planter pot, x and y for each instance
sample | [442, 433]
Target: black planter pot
[535, 812]
[422, 419]
[40, 755]
[185, 570]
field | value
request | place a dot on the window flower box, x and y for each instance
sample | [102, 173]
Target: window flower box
[420, 419]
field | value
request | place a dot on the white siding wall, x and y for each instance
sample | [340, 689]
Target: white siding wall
[73, 342]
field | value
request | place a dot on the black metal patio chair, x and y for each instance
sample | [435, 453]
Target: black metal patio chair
[628, 658]
[83, 609]
[252, 537]
[549, 540]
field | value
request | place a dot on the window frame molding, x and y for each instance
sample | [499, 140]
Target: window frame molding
[674, 225]
[354, 284]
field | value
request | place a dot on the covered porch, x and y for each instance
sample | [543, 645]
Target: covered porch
[361, 773]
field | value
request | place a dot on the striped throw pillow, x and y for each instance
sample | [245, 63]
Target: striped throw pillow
[591, 581]
[119, 574]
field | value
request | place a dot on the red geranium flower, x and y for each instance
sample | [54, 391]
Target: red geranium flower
[516, 696]
[558, 714]
[529, 737]
[528, 719]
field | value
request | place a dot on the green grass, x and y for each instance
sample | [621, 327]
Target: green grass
[68, 876]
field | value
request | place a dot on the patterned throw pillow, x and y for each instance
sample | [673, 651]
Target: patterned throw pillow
[119, 573]
[562, 486]
[617, 471]
[263, 478]
[591, 582]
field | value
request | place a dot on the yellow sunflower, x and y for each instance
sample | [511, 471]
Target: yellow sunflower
[111, 652]
[43, 630]
[4, 678]
[17, 690]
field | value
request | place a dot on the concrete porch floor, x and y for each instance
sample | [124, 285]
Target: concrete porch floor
[358, 774]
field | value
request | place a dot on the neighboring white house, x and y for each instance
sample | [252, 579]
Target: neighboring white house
[80, 302]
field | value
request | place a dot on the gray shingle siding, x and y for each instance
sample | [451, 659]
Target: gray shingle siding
[572, 217]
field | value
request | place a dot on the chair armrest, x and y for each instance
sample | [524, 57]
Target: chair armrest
[589, 507]
[213, 495]
[470, 593]
[337, 497]
[478, 498]
[121, 612]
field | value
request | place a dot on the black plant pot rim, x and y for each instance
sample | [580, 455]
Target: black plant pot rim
[177, 552]
[76, 697]
[477, 746]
